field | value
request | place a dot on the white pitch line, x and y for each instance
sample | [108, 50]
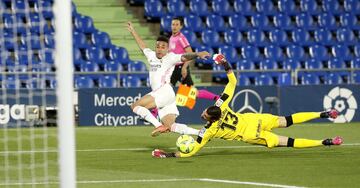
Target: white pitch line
[161, 180]
[146, 149]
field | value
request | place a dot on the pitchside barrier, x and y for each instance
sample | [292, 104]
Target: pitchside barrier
[111, 107]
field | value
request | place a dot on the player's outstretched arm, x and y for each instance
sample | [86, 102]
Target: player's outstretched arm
[193, 55]
[136, 36]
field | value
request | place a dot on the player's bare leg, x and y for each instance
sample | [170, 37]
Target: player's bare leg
[167, 121]
[142, 106]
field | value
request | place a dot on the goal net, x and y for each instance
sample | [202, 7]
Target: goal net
[36, 119]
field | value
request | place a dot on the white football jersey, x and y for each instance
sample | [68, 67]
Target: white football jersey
[160, 69]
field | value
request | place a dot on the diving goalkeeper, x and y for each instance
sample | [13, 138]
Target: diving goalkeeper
[224, 123]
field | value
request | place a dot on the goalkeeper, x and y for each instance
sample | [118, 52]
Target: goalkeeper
[222, 122]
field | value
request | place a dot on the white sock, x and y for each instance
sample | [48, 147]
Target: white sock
[146, 114]
[183, 129]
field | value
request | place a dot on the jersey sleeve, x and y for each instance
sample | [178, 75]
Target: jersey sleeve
[148, 53]
[184, 42]
[204, 137]
[228, 92]
[174, 58]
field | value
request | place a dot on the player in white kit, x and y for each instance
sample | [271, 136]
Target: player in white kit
[162, 96]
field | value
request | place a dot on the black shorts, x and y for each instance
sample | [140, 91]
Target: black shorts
[176, 76]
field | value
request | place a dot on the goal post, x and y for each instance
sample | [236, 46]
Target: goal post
[64, 92]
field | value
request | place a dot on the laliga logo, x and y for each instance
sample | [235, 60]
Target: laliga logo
[252, 101]
[343, 101]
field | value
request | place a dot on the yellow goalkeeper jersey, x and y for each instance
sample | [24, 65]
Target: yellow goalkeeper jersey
[229, 127]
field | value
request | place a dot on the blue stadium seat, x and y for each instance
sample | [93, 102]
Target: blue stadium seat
[319, 53]
[113, 66]
[283, 21]
[101, 39]
[251, 53]
[44, 8]
[218, 76]
[77, 56]
[165, 23]
[19, 7]
[309, 6]
[95, 54]
[238, 21]
[233, 37]
[274, 53]
[313, 64]
[284, 79]
[333, 78]
[153, 10]
[266, 7]
[296, 52]
[305, 21]
[324, 37]
[230, 53]
[49, 28]
[309, 79]
[107, 81]
[49, 41]
[287, 7]
[355, 63]
[245, 64]
[131, 81]
[119, 54]
[263, 80]
[89, 66]
[35, 42]
[79, 40]
[261, 21]
[47, 56]
[211, 38]
[243, 7]
[243, 80]
[268, 64]
[279, 37]
[176, 8]
[84, 24]
[291, 64]
[327, 20]
[352, 6]
[349, 20]
[221, 7]
[215, 22]
[191, 37]
[331, 6]
[257, 37]
[194, 23]
[84, 82]
[199, 7]
[301, 37]
[346, 36]
[357, 50]
[341, 51]
[9, 41]
[136, 66]
[35, 83]
[345, 76]
[356, 77]
[11, 82]
[34, 23]
[336, 63]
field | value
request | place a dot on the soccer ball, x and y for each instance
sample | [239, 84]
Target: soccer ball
[185, 143]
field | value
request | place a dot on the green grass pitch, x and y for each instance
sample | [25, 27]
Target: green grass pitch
[121, 157]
